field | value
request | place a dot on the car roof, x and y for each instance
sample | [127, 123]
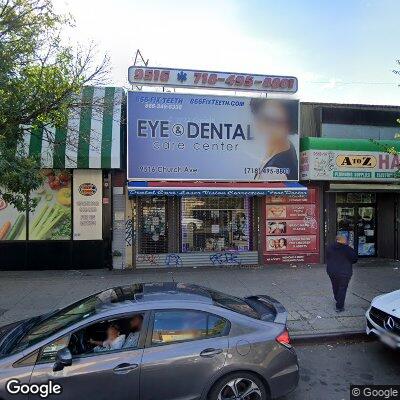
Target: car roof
[140, 293]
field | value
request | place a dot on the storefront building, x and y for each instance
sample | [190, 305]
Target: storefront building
[204, 224]
[202, 190]
[354, 162]
[71, 226]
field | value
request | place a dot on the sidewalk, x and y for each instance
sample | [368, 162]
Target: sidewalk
[304, 290]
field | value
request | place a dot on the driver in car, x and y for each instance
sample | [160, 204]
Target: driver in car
[115, 340]
[135, 325]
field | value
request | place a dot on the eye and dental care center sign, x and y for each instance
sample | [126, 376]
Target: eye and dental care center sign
[174, 136]
[330, 159]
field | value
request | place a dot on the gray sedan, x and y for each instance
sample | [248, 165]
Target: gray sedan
[151, 341]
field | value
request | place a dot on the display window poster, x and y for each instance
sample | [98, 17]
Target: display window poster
[51, 219]
[87, 202]
[290, 211]
[292, 228]
[310, 199]
[12, 222]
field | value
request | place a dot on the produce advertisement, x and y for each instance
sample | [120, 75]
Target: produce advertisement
[12, 222]
[51, 219]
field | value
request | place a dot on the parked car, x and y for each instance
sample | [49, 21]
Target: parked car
[383, 318]
[189, 342]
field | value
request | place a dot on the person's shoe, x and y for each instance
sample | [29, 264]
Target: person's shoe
[339, 309]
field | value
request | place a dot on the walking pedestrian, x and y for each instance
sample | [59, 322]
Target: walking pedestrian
[340, 259]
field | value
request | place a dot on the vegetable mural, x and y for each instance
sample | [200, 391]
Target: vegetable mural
[12, 222]
[51, 219]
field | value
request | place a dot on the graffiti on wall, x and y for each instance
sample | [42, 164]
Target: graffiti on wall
[150, 259]
[173, 260]
[225, 258]
[228, 258]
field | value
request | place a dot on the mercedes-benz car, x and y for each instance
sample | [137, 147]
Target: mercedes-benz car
[152, 341]
[383, 318]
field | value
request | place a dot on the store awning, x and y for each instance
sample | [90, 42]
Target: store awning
[216, 189]
[92, 137]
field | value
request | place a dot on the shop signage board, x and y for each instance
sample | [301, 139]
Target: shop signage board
[348, 160]
[87, 201]
[190, 78]
[292, 229]
[189, 137]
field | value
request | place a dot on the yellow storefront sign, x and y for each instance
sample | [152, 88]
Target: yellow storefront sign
[356, 161]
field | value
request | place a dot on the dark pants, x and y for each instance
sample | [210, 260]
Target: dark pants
[339, 286]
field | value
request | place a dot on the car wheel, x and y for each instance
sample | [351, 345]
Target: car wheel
[239, 386]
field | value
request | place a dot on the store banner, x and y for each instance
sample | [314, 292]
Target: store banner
[198, 79]
[211, 138]
[329, 159]
[292, 229]
[87, 205]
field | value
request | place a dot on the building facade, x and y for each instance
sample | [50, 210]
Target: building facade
[190, 201]
[71, 226]
[351, 155]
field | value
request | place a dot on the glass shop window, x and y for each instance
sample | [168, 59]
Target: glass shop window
[215, 224]
[153, 230]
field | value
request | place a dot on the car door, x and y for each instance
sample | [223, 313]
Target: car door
[184, 349]
[103, 375]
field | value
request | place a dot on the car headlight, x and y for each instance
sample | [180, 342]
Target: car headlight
[376, 298]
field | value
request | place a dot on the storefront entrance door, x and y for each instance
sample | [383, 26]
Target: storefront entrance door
[358, 223]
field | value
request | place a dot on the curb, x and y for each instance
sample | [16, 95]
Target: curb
[330, 336]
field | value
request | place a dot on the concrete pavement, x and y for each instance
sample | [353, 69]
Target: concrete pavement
[328, 370]
[304, 290]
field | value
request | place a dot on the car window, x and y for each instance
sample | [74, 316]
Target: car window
[76, 312]
[48, 353]
[184, 325]
[102, 336]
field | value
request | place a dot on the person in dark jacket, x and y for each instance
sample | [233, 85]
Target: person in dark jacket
[340, 259]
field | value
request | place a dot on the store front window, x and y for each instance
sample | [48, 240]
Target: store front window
[215, 224]
[153, 233]
[356, 220]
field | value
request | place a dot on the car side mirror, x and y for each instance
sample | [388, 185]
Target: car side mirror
[63, 359]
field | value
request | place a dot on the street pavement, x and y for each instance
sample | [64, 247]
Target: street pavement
[304, 290]
[328, 370]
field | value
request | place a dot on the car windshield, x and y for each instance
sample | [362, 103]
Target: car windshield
[74, 313]
[232, 303]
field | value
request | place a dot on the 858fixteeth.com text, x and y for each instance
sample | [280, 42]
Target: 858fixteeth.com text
[374, 392]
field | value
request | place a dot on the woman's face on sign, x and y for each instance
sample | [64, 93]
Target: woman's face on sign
[272, 121]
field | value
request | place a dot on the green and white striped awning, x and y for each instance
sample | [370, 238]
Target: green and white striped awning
[92, 137]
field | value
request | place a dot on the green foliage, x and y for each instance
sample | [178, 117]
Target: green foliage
[39, 76]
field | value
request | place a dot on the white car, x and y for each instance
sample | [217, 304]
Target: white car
[383, 318]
